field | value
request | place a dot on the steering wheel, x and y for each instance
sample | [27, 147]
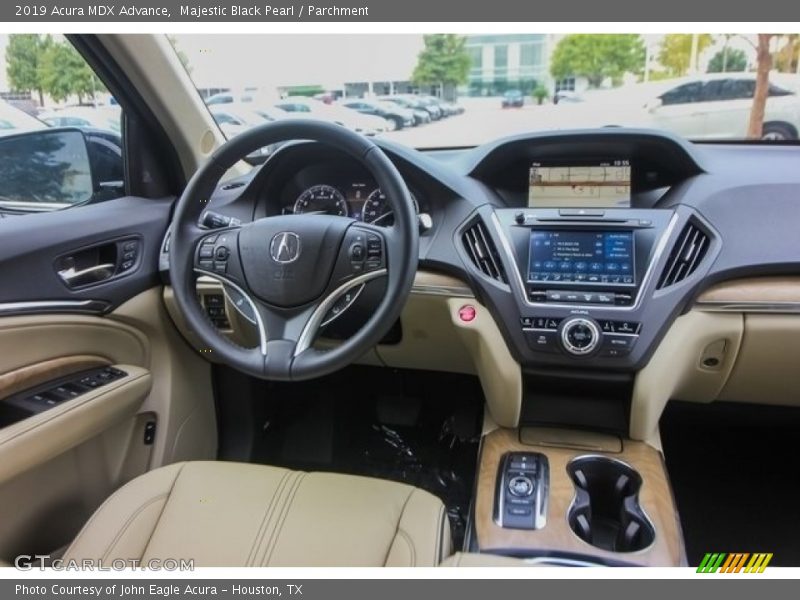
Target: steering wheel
[294, 270]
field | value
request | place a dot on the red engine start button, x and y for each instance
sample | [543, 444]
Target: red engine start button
[467, 313]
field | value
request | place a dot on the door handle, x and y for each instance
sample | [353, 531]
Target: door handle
[90, 274]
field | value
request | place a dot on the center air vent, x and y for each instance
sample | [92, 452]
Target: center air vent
[482, 251]
[689, 250]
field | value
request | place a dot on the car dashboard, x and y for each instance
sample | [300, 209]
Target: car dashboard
[603, 304]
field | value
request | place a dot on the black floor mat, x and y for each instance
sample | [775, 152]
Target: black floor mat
[734, 471]
[418, 427]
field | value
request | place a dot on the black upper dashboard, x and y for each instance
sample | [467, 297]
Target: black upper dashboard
[737, 208]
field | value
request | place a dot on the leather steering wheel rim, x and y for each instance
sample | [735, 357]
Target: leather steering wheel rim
[290, 356]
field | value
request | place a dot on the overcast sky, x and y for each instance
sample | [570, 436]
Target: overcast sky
[297, 59]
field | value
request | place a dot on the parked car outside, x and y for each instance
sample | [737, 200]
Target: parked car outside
[438, 103]
[718, 106]
[421, 116]
[395, 115]
[308, 107]
[101, 117]
[14, 120]
[512, 99]
[432, 108]
[231, 97]
[236, 118]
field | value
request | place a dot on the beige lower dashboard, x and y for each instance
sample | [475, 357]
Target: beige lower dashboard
[739, 343]
[434, 338]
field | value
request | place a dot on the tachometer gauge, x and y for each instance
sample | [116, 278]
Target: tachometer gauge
[321, 199]
[377, 210]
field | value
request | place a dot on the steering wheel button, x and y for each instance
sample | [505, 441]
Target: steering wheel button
[206, 251]
[221, 253]
[357, 252]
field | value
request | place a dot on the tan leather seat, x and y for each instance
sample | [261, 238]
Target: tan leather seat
[233, 514]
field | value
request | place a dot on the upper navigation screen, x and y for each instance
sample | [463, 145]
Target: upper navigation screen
[583, 184]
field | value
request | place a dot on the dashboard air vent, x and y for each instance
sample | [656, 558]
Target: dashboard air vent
[482, 251]
[689, 250]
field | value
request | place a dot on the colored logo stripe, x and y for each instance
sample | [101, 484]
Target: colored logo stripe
[734, 562]
[758, 563]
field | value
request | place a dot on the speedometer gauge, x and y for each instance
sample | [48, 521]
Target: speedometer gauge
[321, 199]
[377, 210]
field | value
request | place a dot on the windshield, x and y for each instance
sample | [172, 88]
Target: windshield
[448, 90]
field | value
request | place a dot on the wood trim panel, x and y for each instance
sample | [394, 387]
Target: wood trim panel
[754, 289]
[32, 375]
[432, 282]
[556, 536]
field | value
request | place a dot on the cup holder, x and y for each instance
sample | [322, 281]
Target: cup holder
[605, 512]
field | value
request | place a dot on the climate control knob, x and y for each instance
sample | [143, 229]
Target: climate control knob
[580, 336]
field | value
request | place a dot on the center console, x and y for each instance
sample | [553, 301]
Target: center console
[568, 496]
[583, 282]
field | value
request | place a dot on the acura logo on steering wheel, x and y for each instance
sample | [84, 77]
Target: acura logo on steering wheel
[285, 247]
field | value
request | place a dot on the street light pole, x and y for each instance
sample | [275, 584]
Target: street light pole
[693, 55]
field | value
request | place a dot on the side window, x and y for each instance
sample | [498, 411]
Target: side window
[740, 89]
[683, 94]
[713, 90]
[43, 168]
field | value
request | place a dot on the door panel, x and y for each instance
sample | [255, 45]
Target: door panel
[32, 247]
[58, 465]
[61, 464]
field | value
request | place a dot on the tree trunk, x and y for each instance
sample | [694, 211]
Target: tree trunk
[41, 98]
[756, 125]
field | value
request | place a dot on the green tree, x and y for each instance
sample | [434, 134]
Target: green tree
[540, 93]
[598, 57]
[63, 72]
[443, 61]
[785, 59]
[728, 60]
[675, 53]
[23, 55]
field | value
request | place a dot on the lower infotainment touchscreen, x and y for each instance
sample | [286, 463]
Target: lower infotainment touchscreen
[582, 257]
